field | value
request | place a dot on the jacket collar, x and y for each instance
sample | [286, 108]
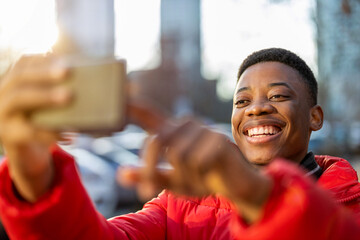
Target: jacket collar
[339, 177]
[311, 166]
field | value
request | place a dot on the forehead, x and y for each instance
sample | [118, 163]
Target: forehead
[264, 74]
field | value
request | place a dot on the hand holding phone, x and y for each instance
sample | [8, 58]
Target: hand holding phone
[98, 105]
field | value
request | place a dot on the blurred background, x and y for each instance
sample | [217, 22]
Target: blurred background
[184, 55]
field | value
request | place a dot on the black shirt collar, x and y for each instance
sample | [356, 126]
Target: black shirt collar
[311, 166]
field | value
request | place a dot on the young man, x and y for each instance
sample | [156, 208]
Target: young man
[274, 113]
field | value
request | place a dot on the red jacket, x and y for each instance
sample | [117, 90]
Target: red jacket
[297, 209]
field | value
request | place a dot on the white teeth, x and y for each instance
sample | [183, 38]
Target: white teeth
[263, 130]
[266, 131]
[255, 131]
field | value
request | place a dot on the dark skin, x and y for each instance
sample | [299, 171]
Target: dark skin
[272, 96]
[204, 162]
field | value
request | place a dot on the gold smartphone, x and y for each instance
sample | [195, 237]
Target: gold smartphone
[99, 98]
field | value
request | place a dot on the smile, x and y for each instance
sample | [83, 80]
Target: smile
[261, 134]
[262, 131]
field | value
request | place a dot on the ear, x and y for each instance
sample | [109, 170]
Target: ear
[316, 118]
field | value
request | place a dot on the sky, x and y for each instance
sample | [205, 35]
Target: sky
[231, 30]
[27, 26]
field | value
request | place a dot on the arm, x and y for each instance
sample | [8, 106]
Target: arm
[204, 162]
[66, 211]
[30, 85]
[298, 209]
[41, 196]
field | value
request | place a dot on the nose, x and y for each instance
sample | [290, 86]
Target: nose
[259, 108]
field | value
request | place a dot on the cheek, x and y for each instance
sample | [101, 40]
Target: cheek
[235, 122]
[235, 119]
[299, 120]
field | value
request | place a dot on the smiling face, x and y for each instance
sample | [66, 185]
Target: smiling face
[272, 115]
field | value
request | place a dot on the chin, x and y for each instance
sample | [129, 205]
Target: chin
[260, 161]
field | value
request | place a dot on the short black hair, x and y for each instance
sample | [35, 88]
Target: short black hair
[286, 57]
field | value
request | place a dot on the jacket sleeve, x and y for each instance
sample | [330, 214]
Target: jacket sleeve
[297, 209]
[66, 211]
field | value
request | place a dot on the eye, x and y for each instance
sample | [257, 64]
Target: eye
[278, 97]
[242, 102]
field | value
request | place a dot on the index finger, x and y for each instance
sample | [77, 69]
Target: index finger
[38, 69]
[153, 173]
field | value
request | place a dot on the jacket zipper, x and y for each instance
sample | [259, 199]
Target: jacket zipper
[348, 199]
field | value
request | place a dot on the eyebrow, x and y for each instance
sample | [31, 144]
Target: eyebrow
[242, 89]
[270, 85]
[280, 84]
